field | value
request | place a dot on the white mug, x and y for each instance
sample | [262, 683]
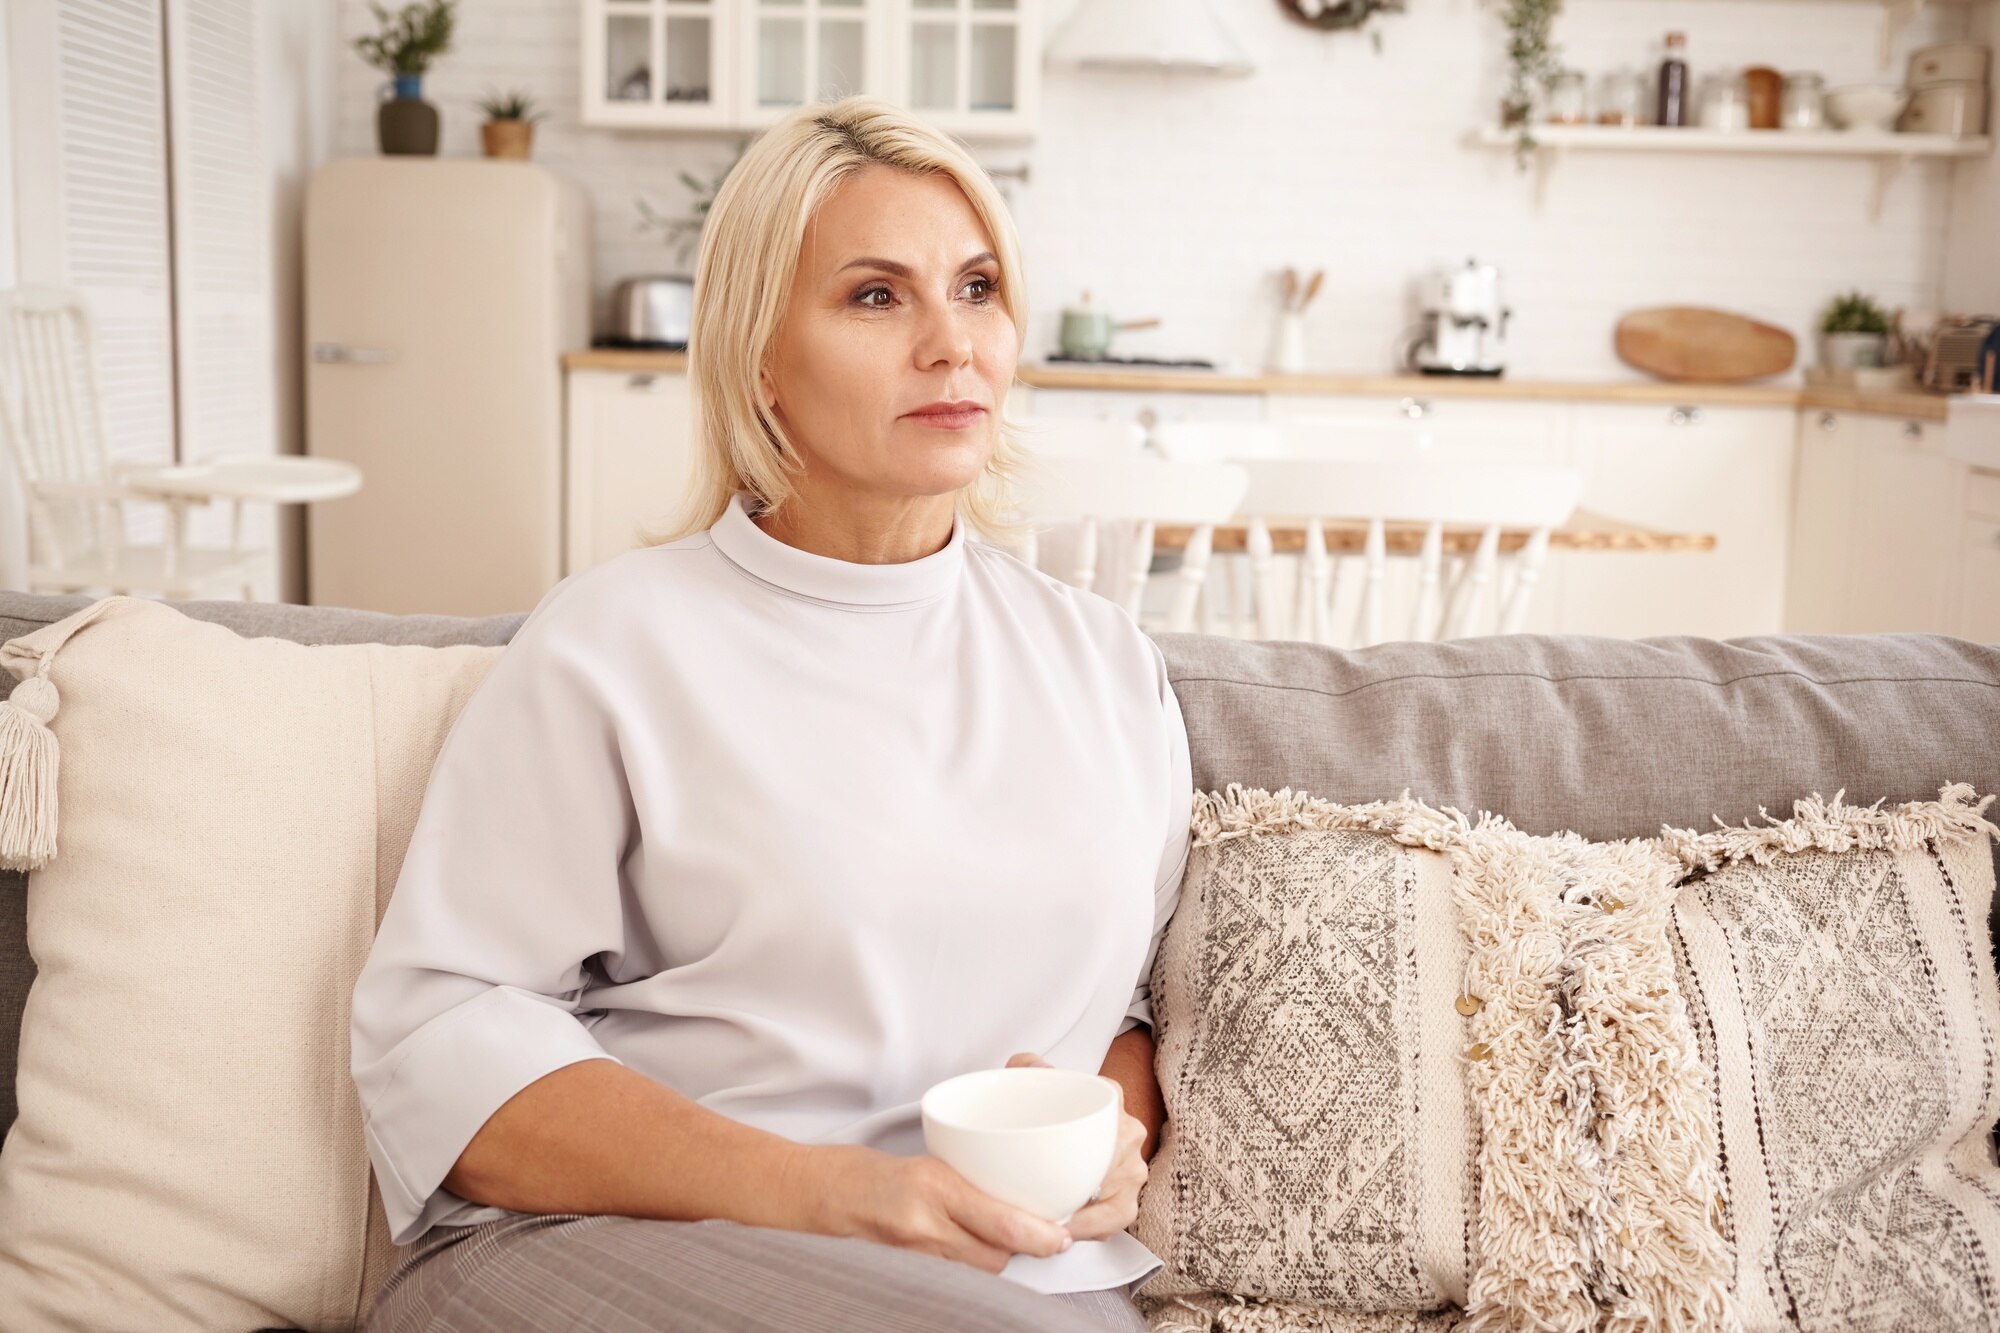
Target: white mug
[1041, 1139]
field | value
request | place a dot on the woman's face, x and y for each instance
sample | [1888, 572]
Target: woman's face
[895, 306]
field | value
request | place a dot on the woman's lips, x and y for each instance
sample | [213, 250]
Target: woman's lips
[948, 420]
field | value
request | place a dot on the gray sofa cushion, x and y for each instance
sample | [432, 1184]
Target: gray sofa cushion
[1608, 737]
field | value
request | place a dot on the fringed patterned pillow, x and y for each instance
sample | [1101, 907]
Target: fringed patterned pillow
[1423, 1072]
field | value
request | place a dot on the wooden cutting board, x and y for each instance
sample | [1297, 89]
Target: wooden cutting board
[1681, 342]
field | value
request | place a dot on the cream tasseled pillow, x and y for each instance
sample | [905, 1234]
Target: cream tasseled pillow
[1426, 1073]
[233, 811]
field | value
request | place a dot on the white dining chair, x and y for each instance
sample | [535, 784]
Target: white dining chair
[1096, 492]
[52, 425]
[1490, 498]
[1228, 595]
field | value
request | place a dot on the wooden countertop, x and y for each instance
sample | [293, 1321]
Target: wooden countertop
[1916, 404]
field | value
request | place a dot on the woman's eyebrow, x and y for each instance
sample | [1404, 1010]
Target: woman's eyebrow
[903, 270]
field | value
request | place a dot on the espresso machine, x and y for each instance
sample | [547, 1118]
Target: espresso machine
[1464, 328]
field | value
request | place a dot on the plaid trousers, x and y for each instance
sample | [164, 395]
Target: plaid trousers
[610, 1274]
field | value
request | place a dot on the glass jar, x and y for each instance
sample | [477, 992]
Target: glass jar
[1567, 103]
[1724, 102]
[1621, 98]
[1803, 106]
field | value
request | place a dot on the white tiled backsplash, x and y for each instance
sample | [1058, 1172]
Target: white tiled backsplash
[1182, 198]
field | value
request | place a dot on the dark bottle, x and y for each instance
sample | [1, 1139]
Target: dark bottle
[1673, 102]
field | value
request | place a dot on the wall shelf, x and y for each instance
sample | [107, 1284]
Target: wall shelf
[1888, 151]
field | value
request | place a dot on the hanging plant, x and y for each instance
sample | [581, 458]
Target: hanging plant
[1531, 63]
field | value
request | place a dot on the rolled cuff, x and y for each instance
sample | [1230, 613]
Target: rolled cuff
[449, 1082]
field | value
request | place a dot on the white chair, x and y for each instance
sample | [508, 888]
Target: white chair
[52, 424]
[1227, 595]
[1490, 497]
[1094, 492]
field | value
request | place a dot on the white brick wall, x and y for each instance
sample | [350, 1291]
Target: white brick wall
[1183, 198]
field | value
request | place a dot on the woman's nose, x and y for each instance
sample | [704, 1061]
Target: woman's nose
[944, 337]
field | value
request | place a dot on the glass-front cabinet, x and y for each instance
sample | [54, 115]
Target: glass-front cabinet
[659, 63]
[971, 67]
[800, 51]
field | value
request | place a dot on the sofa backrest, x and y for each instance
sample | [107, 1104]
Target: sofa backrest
[1608, 737]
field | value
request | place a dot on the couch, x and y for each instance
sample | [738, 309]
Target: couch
[1609, 738]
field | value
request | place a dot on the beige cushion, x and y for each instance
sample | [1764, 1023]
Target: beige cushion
[232, 813]
[1348, 1148]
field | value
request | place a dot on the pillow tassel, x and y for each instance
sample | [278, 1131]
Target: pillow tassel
[28, 774]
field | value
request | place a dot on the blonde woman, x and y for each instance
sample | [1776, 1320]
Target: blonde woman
[753, 834]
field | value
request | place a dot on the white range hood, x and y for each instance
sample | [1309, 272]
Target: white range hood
[1150, 35]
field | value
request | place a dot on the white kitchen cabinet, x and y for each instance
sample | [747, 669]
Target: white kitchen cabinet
[969, 67]
[627, 460]
[664, 64]
[1882, 524]
[1688, 468]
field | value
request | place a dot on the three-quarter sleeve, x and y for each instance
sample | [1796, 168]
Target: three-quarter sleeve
[510, 883]
[1179, 839]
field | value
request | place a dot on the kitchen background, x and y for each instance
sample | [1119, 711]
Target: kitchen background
[1183, 197]
[1180, 198]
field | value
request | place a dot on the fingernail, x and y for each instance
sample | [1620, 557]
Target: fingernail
[1067, 1241]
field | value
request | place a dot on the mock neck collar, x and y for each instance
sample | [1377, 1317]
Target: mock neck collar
[757, 552]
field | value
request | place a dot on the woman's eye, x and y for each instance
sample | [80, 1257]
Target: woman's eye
[864, 296]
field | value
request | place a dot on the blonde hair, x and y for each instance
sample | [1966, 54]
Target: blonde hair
[750, 247]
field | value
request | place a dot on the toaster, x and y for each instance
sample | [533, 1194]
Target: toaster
[1955, 363]
[650, 312]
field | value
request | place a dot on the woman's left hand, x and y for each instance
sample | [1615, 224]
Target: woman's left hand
[1116, 1206]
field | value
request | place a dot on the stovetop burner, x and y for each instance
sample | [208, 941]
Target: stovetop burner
[1190, 364]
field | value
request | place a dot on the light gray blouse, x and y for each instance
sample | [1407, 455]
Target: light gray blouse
[795, 836]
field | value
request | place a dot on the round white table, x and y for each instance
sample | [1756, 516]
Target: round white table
[275, 478]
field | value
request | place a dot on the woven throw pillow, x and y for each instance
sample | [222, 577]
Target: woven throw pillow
[232, 812]
[1423, 1072]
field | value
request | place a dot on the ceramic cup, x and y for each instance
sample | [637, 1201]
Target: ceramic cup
[1041, 1139]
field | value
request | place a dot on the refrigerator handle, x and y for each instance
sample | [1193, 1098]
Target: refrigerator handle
[336, 352]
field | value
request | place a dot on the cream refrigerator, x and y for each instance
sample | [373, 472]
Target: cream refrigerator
[440, 296]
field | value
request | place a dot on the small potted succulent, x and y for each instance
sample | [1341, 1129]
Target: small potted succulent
[407, 42]
[509, 130]
[1852, 333]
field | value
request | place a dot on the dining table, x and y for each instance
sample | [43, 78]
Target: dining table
[1586, 530]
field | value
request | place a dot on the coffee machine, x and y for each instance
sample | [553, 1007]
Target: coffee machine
[1464, 329]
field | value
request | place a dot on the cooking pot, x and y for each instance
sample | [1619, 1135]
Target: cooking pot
[1087, 332]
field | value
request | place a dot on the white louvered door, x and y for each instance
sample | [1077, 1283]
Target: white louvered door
[91, 190]
[140, 179]
[221, 248]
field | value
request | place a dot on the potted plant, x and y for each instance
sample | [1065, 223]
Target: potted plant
[403, 48]
[1852, 333]
[1531, 63]
[509, 130]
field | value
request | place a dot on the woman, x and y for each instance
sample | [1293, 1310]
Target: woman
[753, 834]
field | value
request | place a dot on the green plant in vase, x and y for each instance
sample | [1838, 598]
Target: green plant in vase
[1853, 333]
[403, 47]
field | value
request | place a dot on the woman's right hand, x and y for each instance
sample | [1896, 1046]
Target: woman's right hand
[917, 1203]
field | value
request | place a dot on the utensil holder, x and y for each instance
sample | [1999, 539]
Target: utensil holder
[1288, 343]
